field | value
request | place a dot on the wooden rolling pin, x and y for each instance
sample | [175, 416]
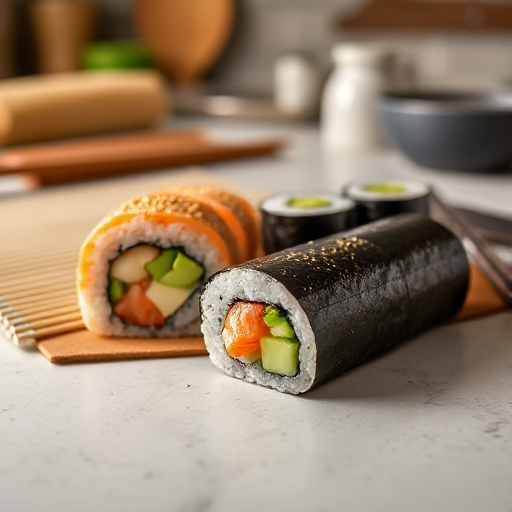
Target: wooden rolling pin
[53, 164]
[72, 104]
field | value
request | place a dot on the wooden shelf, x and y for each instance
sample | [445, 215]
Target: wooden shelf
[419, 15]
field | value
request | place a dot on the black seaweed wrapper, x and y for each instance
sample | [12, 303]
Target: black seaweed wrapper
[370, 288]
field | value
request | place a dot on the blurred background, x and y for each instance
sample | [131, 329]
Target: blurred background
[317, 61]
[471, 51]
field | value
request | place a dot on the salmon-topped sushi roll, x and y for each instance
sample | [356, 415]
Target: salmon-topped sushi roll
[242, 212]
[141, 270]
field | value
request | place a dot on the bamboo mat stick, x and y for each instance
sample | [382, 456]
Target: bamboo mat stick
[63, 261]
[24, 254]
[57, 302]
[52, 245]
[36, 270]
[32, 317]
[42, 309]
[34, 291]
[49, 299]
[45, 322]
[42, 306]
[29, 337]
[56, 276]
[22, 300]
[6, 333]
[46, 235]
[54, 230]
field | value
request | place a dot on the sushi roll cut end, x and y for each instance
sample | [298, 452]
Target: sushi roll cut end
[257, 331]
[305, 204]
[294, 218]
[141, 270]
[382, 198]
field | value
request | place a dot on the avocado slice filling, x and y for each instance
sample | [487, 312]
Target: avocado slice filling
[385, 188]
[307, 202]
[116, 289]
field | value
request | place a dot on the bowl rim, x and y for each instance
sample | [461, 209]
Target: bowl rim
[438, 102]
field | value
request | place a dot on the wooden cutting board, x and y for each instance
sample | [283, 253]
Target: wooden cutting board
[87, 159]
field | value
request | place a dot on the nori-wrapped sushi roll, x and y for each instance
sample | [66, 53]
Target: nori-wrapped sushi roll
[302, 316]
[292, 219]
[382, 198]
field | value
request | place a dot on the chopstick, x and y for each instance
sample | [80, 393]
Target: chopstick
[492, 267]
[493, 228]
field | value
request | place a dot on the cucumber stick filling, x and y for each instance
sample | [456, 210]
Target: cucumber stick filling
[147, 284]
[257, 332]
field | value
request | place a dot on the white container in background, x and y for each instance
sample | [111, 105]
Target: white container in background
[296, 83]
[348, 118]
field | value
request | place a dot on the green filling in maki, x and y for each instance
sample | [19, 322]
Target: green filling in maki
[116, 289]
[385, 188]
[308, 202]
[280, 355]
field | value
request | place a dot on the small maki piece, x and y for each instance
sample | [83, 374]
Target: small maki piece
[141, 270]
[376, 199]
[297, 318]
[292, 219]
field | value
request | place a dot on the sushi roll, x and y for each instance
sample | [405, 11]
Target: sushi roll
[238, 212]
[292, 219]
[299, 317]
[141, 269]
[378, 199]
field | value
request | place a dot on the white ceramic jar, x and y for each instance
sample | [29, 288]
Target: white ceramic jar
[349, 118]
[296, 83]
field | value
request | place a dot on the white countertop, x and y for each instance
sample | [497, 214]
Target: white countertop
[426, 427]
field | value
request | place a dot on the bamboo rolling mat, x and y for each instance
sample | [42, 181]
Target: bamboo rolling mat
[41, 235]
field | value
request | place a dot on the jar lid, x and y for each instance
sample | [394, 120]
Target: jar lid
[360, 53]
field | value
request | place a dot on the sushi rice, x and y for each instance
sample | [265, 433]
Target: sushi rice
[93, 299]
[254, 286]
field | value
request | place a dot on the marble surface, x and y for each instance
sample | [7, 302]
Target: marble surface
[426, 427]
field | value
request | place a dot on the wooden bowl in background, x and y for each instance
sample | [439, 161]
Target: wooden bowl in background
[184, 36]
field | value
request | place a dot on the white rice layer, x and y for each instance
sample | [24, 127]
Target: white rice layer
[252, 285]
[93, 299]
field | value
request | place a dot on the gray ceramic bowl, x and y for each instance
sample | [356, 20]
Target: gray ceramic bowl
[466, 132]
